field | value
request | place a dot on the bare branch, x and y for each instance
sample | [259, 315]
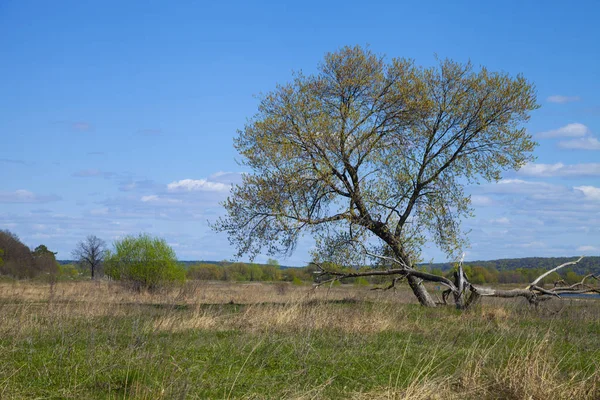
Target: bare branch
[539, 278]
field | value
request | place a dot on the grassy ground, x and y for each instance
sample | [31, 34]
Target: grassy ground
[88, 340]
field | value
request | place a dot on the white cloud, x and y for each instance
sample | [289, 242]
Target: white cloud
[99, 211]
[479, 200]
[157, 199]
[589, 192]
[571, 130]
[142, 185]
[197, 185]
[588, 248]
[25, 196]
[517, 182]
[219, 174]
[560, 169]
[589, 143]
[226, 177]
[533, 244]
[562, 99]
[501, 221]
[509, 188]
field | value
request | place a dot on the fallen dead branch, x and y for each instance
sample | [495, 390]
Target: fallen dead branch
[464, 293]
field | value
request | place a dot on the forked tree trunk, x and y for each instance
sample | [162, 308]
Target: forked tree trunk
[420, 291]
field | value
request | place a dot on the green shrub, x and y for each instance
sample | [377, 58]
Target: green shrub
[297, 281]
[145, 262]
[68, 272]
[205, 272]
[361, 281]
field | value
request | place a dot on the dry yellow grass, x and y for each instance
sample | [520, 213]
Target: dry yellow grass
[504, 350]
[193, 292]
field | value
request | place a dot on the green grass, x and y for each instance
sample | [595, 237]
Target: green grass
[315, 349]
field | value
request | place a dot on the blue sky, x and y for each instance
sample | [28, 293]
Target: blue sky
[118, 117]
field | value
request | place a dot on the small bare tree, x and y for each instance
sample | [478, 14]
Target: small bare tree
[90, 253]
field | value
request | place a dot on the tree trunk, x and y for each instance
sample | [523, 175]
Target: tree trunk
[416, 284]
[420, 291]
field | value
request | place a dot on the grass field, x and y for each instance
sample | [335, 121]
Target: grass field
[96, 340]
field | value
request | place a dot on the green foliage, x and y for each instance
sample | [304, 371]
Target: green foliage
[205, 272]
[144, 261]
[437, 271]
[45, 261]
[571, 277]
[297, 281]
[361, 281]
[42, 250]
[271, 273]
[585, 266]
[18, 261]
[478, 275]
[68, 272]
[244, 272]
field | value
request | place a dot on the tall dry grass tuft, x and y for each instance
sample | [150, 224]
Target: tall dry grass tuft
[529, 373]
[532, 373]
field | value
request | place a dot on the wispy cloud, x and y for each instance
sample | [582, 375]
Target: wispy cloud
[197, 185]
[25, 196]
[515, 186]
[575, 129]
[588, 248]
[562, 99]
[144, 185]
[93, 173]
[159, 199]
[10, 161]
[560, 169]
[588, 143]
[589, 192]
[479, 200]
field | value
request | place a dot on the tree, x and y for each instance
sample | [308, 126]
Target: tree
[45, 260]
[18, 261]
[90, 253]
[144, 261]
[371, 158]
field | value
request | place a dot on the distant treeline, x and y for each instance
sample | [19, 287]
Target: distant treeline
[19, 262]
[515, 271]
[246, 272]
[585, 266]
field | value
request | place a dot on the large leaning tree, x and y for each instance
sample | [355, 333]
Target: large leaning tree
[371, 157]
